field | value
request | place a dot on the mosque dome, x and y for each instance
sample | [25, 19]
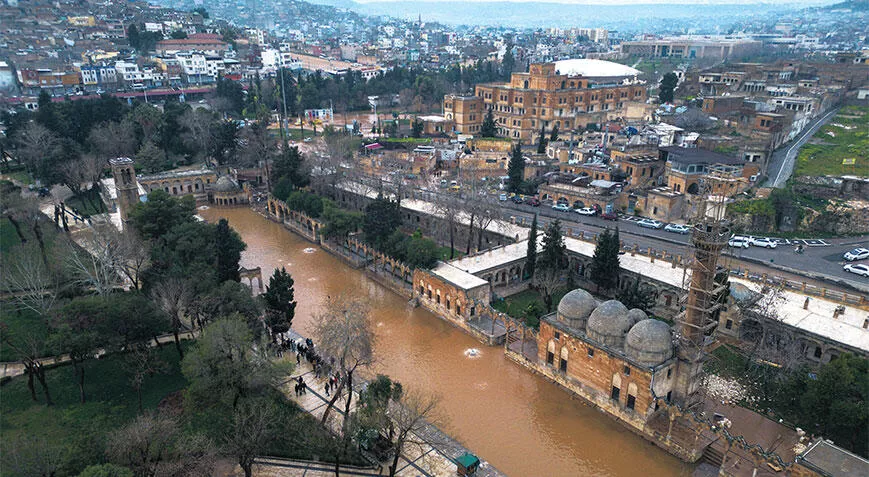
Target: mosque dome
[637, 315]
[226, 184]
[609, 323]
[649, 342]
[575, 307]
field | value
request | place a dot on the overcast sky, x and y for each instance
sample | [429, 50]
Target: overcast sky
[628, 2]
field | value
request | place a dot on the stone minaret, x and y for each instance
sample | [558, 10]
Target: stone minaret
[695, 323]
[126, 185]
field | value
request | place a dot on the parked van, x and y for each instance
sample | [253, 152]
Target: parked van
[502, 197]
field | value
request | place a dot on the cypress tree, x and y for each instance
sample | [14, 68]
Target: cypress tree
[605, 262]
[531, 256]
[516, 169]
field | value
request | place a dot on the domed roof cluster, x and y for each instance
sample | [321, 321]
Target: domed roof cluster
[609, 323]
[575, 308]
[649, 342]
[644, 340]
[226, 184]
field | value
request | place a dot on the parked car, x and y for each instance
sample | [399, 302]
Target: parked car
[517, 200]
[738, 242]
[561, 207]
[650, 223]
[609, 216]
[858, 268]
[532, 201]
[502, 197]
[857, 254]
[677, 228]
[586, 211]
[763, 242]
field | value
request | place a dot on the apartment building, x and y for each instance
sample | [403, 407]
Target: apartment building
[566, 94]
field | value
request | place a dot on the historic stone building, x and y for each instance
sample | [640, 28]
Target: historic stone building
[618, 359]
[567, 94]
[196, 182]
[126, 187]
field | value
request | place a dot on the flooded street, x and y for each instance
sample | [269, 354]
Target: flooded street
[522, 424]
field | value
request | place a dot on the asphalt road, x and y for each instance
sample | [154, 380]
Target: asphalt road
[781, 164]
[815, 262]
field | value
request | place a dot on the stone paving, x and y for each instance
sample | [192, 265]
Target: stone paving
[433, 457]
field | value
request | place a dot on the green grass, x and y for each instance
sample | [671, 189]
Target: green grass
[20, 177]
[405, 140]
[826, 158]
[444, 253]
[86, 203]
[726, 363]
[81, 429]
[516, 305]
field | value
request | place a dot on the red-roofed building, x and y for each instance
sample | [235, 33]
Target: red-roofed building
[207, 45]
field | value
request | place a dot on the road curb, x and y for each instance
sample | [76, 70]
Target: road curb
[815, 276]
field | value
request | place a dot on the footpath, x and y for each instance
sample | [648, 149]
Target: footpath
[434, 457]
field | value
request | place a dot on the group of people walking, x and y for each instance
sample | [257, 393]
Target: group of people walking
[322, 367]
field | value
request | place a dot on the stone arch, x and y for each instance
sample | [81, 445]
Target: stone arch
[578, 204]
[631, 401]
[550, 353]
[615, 392]
[562, 363]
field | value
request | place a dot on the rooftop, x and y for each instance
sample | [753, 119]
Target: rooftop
[693, 155]
[457, 277]
[834, 461]
[594, 68]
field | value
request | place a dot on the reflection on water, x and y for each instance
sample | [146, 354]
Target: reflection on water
[521, 423]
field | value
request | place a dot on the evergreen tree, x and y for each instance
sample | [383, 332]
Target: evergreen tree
[667, 87]
[541, 145]
[228, 246]
[531, 256]
[636, 296]
[508, 63]
[280, 303]
[382, 218]
[516, 169]
[417, 128]
[605, 262]
[553, 136]
[133, 36]
[488, 129]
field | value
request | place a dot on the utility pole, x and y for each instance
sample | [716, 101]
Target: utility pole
[284, 98]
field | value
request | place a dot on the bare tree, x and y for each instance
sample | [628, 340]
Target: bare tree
[198, 123]
[408, 419]
[35, 142]
[74, 176]
[32, 455]
[252, 429]
[173, 296]
[450, 207]
[485, 213]
[132, 256]
[144, 444]
[142, 362]
[11, 206]
[196, 457]
[29, 349]
[343, 331]
[29, 282]
[335, 159]
[113, 139]
[97, 266]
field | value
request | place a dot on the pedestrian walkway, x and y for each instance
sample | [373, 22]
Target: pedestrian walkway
[434, 458]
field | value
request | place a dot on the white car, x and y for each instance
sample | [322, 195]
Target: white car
[650, 223]
[738, 242]
[586, 211]
[857, 254]
[561, 207]
[764, 242]
[859, 269]
[677, 228]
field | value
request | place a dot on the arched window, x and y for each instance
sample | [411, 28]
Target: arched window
[550, 353]
[448, 302]
[562, 365]
[526, 84]
[617, 387]
[632, 396]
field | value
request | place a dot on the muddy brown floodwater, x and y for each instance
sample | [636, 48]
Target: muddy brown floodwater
[519, 422]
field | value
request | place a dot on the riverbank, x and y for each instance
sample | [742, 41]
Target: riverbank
[520, 422]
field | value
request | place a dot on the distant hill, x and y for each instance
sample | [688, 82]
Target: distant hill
[551, 14]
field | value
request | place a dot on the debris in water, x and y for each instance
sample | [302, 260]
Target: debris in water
[473, 353]
[310, 250]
